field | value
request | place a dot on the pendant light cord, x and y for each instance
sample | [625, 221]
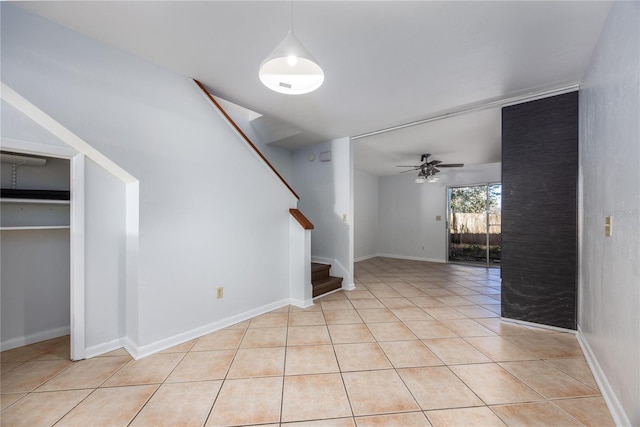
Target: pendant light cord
[291, 15]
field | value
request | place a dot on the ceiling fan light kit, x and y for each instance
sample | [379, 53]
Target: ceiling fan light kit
[428, 170]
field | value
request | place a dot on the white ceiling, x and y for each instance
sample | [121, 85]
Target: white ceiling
[386, 63]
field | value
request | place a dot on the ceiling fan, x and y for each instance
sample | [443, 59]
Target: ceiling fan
[429, 169]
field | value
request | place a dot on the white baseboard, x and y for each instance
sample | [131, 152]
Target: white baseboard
[348, 286]
[301, 303]
[34, 338]
[538, 325]
[103, 348]
[132, 348]
[364, 258]
[412, 258]
[617, 411]
[138, 352]
[327, 293]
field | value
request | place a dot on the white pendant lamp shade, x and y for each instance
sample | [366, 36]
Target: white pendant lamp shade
[291, 69]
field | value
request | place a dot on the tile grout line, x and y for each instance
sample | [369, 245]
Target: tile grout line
[335, 355]
[403, 279]
[159, 385]
[224, 379]
[284, 367]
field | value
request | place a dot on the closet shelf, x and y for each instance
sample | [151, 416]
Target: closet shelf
[35, 201]
[36, 227]
[13, 193]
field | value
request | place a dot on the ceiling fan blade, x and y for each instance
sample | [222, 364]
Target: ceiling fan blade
[435, 162]
[436, 170]
[410, 170]
[407, 166]
[452, 165]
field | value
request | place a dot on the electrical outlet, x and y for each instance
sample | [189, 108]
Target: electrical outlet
[220, 293]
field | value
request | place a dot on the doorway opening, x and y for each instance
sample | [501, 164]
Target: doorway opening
[35, 214]
[474, 224]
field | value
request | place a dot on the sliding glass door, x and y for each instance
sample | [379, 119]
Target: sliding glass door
[474, 224]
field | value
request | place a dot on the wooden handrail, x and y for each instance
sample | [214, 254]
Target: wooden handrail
[246, 138]
[302, 220]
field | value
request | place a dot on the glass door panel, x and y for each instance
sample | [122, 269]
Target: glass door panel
[494, 219]
[474, 224]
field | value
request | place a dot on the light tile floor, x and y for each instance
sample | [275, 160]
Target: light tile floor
[416, 344]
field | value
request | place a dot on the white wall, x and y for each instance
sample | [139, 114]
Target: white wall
[300, 288]
[105, 268]
[211, 214]
[365, 214]
[407, 216]
[326, 194]
[476, 174]
[280, 158]
[609, 306]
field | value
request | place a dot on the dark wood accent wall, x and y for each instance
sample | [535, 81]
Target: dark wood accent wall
[539, 211]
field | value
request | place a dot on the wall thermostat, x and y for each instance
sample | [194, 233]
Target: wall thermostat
[325, 156]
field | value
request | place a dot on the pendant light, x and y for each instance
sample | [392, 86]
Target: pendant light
[290, 68]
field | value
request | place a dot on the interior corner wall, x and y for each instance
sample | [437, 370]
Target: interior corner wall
[365, 215]
[211, 214]
[408, 227]
[609, 295]
[326, 195]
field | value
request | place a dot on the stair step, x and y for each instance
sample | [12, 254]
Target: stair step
[321, 281]
[325, 285]
[319, 271]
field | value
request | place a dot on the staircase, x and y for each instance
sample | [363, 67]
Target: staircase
[321, 281]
